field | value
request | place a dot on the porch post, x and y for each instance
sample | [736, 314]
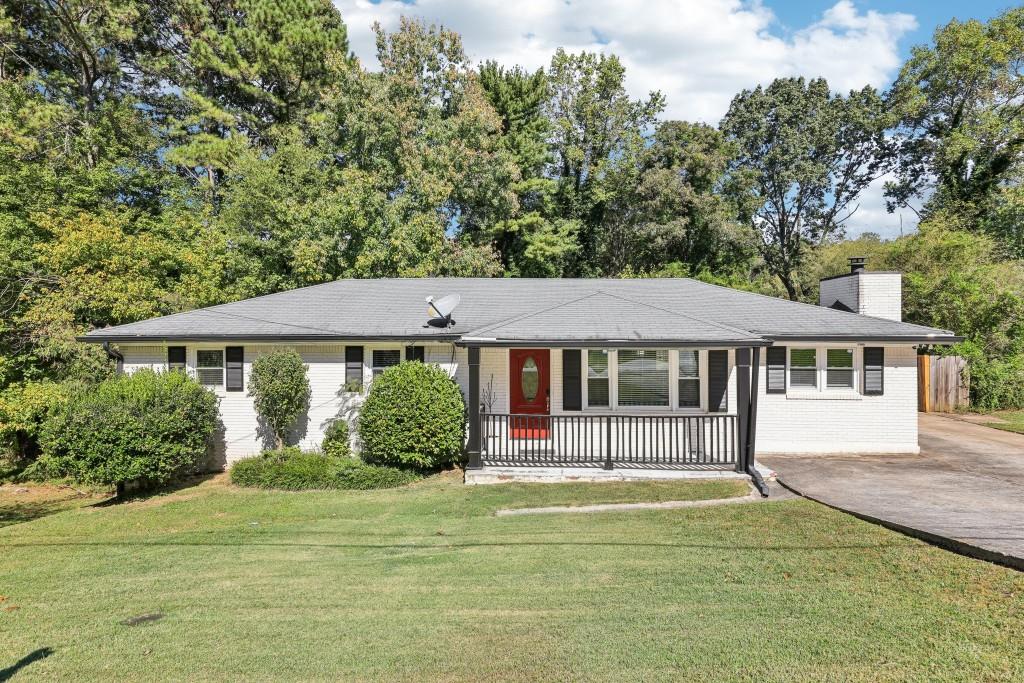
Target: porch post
[752, 425]
[742, 406]
[473, 445]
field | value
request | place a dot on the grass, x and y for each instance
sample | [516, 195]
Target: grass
[1009, 420]
[25, 502]
[425, 583]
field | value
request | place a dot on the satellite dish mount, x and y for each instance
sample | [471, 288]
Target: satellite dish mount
[440, 311]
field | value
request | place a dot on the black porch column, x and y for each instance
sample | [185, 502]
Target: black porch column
[752, 425]
[742, 407]
[473, 446]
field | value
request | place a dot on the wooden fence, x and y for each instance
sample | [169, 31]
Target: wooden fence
[943, 384]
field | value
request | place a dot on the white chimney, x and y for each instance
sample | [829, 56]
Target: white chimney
[868, 292]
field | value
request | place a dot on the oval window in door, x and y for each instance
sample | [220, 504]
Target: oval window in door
[530, 379]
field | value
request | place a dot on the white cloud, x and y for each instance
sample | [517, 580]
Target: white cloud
[699, 53]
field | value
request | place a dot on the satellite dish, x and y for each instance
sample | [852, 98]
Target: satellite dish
[440, 311]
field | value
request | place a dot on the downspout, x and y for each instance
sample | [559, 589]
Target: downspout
[750, 459]
[115, 355]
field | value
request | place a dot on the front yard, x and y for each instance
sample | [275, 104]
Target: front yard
[425, 583]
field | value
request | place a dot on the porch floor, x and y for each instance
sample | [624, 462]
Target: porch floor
[495, 473]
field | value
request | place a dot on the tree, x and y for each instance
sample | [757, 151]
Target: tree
[672, 209]
[962, 124]
[803, 158]
[280, 390]
[595, 127]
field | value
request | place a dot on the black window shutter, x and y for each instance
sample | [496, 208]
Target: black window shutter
[718, 381]
[775, 375]
[234, 357]
[354, 366]
[414, 353]
[175, 357]
[874, 371]
[572, 380]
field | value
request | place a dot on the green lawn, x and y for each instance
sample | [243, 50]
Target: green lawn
[425, 583]
[1009, 420]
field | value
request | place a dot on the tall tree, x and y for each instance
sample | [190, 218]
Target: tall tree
[675, 210]
[595, 127]
[962, 105]
[803, 158]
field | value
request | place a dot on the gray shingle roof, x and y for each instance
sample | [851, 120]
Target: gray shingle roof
[525, 310]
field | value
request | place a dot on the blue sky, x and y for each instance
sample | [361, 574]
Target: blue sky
[698, 53]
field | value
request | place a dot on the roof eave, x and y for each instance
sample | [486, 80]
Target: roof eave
[875, 338]
[604, 343]
[199, 338]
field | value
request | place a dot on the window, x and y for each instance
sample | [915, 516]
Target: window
[689, 379]
[235, 361]
[385, 359]
[597, 378]
[353, 368]
[643, 377]
[210, 367]
[176, 358]
[839, 368]
[803, 368]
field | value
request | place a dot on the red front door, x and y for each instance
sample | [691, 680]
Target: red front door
[529, 391]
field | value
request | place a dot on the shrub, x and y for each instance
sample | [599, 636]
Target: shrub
[414, 416]
[335, 442]
[291, 469]
[147, 426]
[24, 408]
[280, 390]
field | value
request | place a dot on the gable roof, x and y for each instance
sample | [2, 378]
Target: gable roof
[497, 310]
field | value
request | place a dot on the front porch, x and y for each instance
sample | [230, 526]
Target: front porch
[550, 431]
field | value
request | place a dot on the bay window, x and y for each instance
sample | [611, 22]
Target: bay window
[643, 377]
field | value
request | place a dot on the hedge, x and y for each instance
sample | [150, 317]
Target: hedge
[414, 416]
[293, 470]
[147, 427]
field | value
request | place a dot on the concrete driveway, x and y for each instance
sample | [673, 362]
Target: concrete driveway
[965, 491]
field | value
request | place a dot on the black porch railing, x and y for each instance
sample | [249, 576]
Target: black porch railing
[673, 441]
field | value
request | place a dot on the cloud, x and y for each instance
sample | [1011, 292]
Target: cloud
[699, 53]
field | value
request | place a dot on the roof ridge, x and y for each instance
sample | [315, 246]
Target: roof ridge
[523, 316]
[816, 307]
[684, 315]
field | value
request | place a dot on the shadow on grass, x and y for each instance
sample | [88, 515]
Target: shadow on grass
[146, 494]
[16, 512]
[32, 657]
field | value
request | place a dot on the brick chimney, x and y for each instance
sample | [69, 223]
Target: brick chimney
[868, 292]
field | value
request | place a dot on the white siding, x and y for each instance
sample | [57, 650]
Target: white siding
[786, 423]
[854, 423]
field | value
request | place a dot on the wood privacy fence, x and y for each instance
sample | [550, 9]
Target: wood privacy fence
[943, 384]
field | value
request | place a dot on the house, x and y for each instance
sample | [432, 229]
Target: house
[631, 374]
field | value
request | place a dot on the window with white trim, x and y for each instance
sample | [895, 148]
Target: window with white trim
[839, 368]
[597, 378]
[689, 378]
[385, 358]
[210, 367]
[803, 368]
[643, 377]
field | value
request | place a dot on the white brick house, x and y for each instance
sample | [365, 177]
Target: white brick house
[640, 374]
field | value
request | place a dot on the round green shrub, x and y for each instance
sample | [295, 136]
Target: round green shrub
[292, 470]
[414, 416]
[146, 426]
[335, 442]
[280, 390]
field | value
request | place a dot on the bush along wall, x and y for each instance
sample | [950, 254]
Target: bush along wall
[413, 417]
[293, 470]
[146, 427]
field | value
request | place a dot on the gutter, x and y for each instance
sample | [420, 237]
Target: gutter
[116, 355]
[882, 338]
[133, 339]
[750, 464]
[605, 343]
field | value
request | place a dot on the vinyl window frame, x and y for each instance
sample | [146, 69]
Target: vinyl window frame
[673, 384]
